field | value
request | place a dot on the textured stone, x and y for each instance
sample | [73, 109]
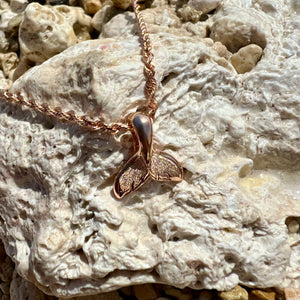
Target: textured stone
[159, 19]
[246, 58]
[237, 138]
[103, 16]
[46, 31]
[292, 225]
[4, 43]
[188, 13]
[239, 27]
[5, 16]
[237, 293]
[261, 295]
[4, 82]
[91, 6]
[205, 6]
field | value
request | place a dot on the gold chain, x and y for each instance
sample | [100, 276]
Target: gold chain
[84, 120]
[151, 85]
[69, 116]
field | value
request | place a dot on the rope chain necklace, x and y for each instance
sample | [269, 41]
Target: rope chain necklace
[146, 163]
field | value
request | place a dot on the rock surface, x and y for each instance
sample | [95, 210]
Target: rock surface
[236, 135]
[46, 31]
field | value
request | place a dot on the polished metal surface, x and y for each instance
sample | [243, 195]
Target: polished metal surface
[142, 125]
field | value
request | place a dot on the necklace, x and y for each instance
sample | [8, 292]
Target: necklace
[145, 163]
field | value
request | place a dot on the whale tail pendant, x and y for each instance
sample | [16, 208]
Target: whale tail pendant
[145, 163]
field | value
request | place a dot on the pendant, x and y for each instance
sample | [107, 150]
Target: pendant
[145, 163]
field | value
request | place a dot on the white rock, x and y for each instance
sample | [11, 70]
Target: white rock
[18, 6]
[235, 28]
[236, 136]
[103, 16]
[5, 83]
[205, 6]
[91, 6]
[189, 14]
[293, 226]
[46, 31]
[5, 16]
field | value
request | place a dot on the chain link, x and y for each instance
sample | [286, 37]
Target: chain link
[84, 120]
[151, 84]
[70, 116]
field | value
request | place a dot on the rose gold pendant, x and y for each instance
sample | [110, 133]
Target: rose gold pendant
[145, 163]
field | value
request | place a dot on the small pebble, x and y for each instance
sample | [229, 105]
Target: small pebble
[261, 295]
[205, 6]
[103, 16]
[123, 4]
[189, 14]
[246, 58]
[8, 62]
[237, 293]
[91, 6]
[292, 225]
[145, 292]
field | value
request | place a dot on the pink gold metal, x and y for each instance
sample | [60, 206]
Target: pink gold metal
[83, 121]
[145, 163]
[151, 85]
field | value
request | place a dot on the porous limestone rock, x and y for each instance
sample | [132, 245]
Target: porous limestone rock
[246, 58]
[158, 19]
[91, 6]
[103, 16]
[236, 136]
[46, 31]
[5, 16]
[238, 27]
[205, 6]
